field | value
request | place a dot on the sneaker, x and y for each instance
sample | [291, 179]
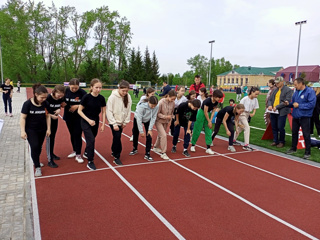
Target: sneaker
[235, 143]
[274, 144]
[148, 157]
[41, 164]
[79, 159]
[38, 172]
[291, 151]
[193, 149]
[211, 145]
[174, 149]
[85, 155]
[158, 150]
[7, 114]
[131, 138]
[55, 157]
[112, 155]
[11, 115]
[232, 149]
[164, 156]
[247, 148]
[209, 151]
[280, 145]
[133, 152]
[71, 155]
[186, 153]
[91, 165]
[52, 164]
[306, 156]
[117, 162]
[179, 140]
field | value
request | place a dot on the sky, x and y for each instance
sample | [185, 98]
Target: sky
[246, 32]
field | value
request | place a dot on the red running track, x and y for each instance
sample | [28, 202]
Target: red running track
[98, 205]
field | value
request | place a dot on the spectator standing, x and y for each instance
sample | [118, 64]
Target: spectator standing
[166, 88]
[272, 86]
[18, 86]
[7, 90]
[197, 84]
[316, 110]
[238, 92]
[303, 102]
[278, 111]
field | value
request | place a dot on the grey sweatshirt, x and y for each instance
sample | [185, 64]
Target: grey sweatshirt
[145, 114]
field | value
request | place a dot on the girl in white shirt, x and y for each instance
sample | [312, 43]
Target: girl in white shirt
[180, 99]
[203, 95]
[250, 103]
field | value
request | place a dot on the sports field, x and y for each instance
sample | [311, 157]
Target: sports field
[257, 126]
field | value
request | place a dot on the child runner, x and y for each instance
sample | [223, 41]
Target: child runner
[204, 120]
[35, 123]
[186, 114]
[118, 114]
[73, 98]
[149, 92]
[250, 103]
[7, 91]
[192, 95]
[54, 101]
[146, 114]
[164, 116]
[89, 110]
[228, 116]
[220, 104]
[203, 95]
[180, 99]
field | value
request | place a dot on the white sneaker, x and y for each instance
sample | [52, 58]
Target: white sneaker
[232, 149]
[38, 172]
[131, 138]
[41, 164]
[211, 145]
[158, 150]
[192, 149]
[79, 159]
[71, 155]
[209, 151]
[164, 156]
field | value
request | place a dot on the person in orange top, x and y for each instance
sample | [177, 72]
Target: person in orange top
[220, 103]
[197, 84]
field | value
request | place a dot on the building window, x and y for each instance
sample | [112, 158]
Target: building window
[237, 80]
[224, 80]
[247, 80]
[228, 80]
[232, 80]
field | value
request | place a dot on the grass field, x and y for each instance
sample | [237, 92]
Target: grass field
[256, 121]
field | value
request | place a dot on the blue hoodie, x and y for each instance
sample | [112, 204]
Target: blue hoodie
[306, 100]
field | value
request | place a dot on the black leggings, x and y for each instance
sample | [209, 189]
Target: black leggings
[54, 127]
[135, 131]
[116, 146]
[90, 133]
[75, 130]
[315, 121]
[7, 101]
[230, 127]
[35, 139]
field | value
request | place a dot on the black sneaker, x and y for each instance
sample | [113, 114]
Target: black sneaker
[112, 155]
[133, 152]
[174, 149]
[186, 153]
[55, 157]
[91, 165]
[306, 156]
[291, 151]
[235, 143]
[148, 157]
[52, 164]
[85, 155]
[247, 148]
[117, 161]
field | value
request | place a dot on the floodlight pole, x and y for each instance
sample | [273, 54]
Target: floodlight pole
[1, 62]
[209, 80]
[299, 23]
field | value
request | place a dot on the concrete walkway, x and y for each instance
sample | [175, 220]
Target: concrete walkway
[15, 191]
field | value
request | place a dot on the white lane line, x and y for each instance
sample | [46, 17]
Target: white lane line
[247, 202]
[35, 209]
[71, 173]
[135, 191]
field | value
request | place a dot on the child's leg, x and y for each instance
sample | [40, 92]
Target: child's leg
[116, 147]
[208, 131]
[175, 134]
[148, 138]
[231, 129]
[186, 140]
[198, 126]
[246, 131]
[135, 132]
[216, 128]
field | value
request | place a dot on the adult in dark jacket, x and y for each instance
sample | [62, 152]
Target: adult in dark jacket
[279, 111]
[316, 111]
[197, 85]
[166, 88]
[303, 102]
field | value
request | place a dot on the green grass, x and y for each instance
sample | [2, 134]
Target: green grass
[256, 121]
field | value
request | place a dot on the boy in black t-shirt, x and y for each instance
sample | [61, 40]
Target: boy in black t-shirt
[186, 114]
[7, 91]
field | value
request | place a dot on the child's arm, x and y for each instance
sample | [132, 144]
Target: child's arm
[224, 121]
[189, 126]
[103, 118]
[205, 110]
[253, 113]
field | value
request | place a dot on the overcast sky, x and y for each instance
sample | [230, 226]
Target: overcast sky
[247, 32]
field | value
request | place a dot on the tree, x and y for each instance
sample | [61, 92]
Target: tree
[155, 69]
[147, 66]
[199, 64]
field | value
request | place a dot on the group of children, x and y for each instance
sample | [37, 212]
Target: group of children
[82, 110]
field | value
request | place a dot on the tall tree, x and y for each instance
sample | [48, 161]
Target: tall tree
[147, 66]
[155, 69]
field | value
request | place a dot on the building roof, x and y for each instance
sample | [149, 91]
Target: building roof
[270, 71]
[312, 73]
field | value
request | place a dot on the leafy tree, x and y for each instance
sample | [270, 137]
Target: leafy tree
[155, 69]
[147, 66]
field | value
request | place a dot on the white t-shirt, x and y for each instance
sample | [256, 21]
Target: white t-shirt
[143, 97]
[199, 98]
[249, 104]
[178, 102]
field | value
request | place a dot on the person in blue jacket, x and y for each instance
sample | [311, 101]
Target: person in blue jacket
[166, 88]
[303, 102]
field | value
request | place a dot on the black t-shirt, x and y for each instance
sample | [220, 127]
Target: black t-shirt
[186, 114]
[6, 88]
[92, 105]
[223, 111]
[36, 116]
[208, 102]
[72, 98]
[53, 104]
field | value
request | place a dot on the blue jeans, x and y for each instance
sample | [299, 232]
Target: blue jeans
[278, 123]
[176, 136]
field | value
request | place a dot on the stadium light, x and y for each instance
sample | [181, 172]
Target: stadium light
[209, 80]
[299, 23]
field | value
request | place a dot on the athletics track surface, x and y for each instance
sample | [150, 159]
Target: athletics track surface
[243, 195]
